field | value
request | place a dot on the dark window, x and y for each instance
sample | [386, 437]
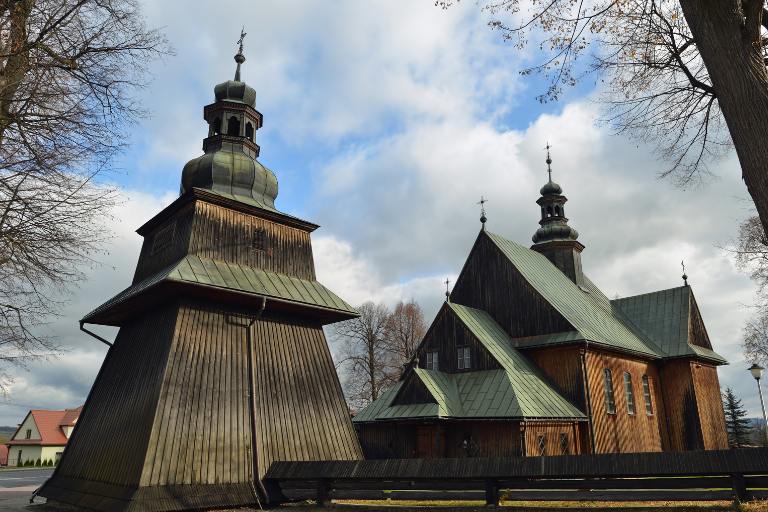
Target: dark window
[249, 131]
[564, 444]
[557, 210]
[432, 361]
[233, 126]
[630, 393]
[464, 359]
[217, 126]
[163, 239]
[28, 434]
[647, 396]
[259, 242]
[610, 402]
[549, 211]
[542, 441]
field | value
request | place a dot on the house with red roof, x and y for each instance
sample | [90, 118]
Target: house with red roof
[42, 435]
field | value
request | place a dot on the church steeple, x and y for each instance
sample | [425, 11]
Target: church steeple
[555, 238]
[229, 165]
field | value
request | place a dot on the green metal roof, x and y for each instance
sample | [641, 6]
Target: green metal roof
[664, 316]
[586, 308]
[518, 390]
[193, 269]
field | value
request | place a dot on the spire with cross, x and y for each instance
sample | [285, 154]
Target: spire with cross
[685, 276]
[447, 291]
[483, 218]
[240, 58]
[549, 162]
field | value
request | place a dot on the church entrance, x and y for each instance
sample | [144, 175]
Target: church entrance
[430, 442]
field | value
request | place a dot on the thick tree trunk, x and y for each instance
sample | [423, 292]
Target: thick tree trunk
[728, 39]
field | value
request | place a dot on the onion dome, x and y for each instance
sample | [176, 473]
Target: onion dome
[229, 166]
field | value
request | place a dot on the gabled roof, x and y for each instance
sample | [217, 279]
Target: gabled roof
[586, 308]
[229, 278]
[49, 424]
[665, 316]
[516, 391]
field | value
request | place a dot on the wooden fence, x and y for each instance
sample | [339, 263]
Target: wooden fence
[702, 475]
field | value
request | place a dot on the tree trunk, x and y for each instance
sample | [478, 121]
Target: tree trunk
[728, 39]
[372, 370]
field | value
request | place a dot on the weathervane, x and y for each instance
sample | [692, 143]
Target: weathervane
[483, 218]
[685, 277]
[240, 58]
[549, 162]
[447, 292]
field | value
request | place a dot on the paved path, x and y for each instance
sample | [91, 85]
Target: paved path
[11, 478]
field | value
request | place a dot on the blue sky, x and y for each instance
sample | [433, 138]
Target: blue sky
[384, 122]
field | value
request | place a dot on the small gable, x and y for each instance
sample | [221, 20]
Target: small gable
[491, 282]
[413, 391]
[698, 333]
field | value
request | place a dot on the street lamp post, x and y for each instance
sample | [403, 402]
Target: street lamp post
[757, 371]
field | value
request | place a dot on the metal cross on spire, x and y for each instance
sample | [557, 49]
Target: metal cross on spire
[240, 58]
[447, 291]
[685, 277]
[549, 162]
[483, 218]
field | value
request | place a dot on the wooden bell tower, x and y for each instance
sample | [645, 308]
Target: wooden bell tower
[220, 366]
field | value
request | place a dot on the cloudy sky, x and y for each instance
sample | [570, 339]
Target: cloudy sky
[385, 121]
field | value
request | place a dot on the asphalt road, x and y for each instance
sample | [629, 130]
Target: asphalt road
[10, 478]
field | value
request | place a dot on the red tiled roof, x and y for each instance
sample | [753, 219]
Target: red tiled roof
[50, 424]
[3, 454]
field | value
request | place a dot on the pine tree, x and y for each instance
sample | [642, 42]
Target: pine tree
[736, 422]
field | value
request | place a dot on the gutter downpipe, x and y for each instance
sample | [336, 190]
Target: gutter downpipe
[252, 405]
[585, 383]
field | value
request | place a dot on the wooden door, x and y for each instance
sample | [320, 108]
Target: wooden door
[429, 442]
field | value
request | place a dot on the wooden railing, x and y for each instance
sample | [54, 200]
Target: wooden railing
[702, 475]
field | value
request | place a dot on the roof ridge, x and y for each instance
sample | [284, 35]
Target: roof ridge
[688, 287]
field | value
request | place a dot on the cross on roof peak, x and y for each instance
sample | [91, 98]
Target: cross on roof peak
[549, 161]
[447, 291]
[483, 218]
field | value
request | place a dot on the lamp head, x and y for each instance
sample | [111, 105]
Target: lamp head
[756, 370]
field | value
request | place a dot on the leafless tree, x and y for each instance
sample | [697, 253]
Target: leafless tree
[69, 70]
[404, 331]
[678, 72]
[364, 359]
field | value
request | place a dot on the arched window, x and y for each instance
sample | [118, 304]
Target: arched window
[249, 131]
[549, 211]
[233, 126]
[610, 402]
[217, 126]
[647, 396]
[630, 393]
[557, 210]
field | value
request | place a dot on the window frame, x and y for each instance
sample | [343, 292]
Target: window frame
[647, 396]
[28, 434]
[463, 358]
[629, 393]
[565, 444]
[432, 360]
[608, 392]
[541, 441]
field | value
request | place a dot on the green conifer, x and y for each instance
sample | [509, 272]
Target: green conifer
[736, 422]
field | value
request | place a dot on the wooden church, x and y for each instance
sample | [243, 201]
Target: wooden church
[527, 357]
[220, 365]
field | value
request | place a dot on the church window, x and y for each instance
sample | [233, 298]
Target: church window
[564, 444]
[549, 211]
[233, 126]
[217, 126]
[647, 396]
[610, 402]
[249, 131]
[432, 361]
[630, 393]
[542, 442]
[557, 211]
[464, 358]
[259, 241]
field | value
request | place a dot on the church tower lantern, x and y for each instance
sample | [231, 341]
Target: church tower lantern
[220, 365]
[555, 239]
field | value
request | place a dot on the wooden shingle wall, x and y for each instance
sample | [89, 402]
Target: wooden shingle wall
[623, 432]
[710, 407]
[563, 367]
[682, 410]
[551, 432]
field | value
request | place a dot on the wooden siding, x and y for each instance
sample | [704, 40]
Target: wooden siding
[683, 428]
[551, 432]
[489, 281]
[445, 335]
[413, 392]
[697, 333]
[225, 234]
[399, 440]
[563, 367]
[151, 261]
[122, 405]
[710, 406]
[623, 432]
